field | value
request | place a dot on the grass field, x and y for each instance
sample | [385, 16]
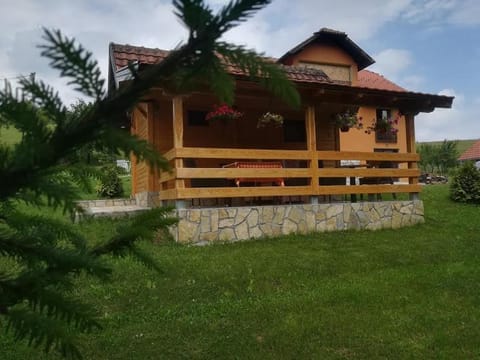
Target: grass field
[412, 293]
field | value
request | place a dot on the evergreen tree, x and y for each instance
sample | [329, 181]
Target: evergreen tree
[45, 254]
[465, 185]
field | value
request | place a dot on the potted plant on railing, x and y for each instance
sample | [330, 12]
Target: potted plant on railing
[223, 113]
[386, 126]
[348, 119]
[270, 119]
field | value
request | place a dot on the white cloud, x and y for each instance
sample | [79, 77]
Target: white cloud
[395, 65]
[93, 24]
[413, 82]
[434, 14]
[459, 122]
[392, 62]
[467, 13]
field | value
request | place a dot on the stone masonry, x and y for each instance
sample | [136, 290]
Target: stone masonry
[226, 224]
[113, 208]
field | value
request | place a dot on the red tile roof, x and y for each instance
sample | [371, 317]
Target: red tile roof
[371, 80]
[472, 153]
[123, 54]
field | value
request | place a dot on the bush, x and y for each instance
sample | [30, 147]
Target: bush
[110, 185]
[465, 186]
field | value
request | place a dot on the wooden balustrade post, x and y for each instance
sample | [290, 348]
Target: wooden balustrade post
[411, 148]
[177, 103]
[312, 149]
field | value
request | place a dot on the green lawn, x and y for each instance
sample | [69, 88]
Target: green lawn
[412, 293]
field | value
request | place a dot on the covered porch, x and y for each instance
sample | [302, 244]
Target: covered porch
[237, 164]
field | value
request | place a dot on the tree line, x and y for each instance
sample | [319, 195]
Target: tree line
[439, 159]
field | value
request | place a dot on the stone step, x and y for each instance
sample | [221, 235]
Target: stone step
[113, 208]
[114, 211]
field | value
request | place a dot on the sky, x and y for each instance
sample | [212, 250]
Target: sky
[430, 46]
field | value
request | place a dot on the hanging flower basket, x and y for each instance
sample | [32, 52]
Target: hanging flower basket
[348, 119]
[384, 126]
[270, 119]
[223, 113]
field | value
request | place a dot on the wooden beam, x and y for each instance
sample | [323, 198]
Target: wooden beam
[177, 103]
[153, 172]
[167, 176]
[264, 191]
[170, 194]
[411, 147]
[231, 173]
[239, 154]
[368, 189]
[312, 145]
[170, 154]
[371, 173]
[254, 154]
[367, 156]
[410, 127]
[229, 192]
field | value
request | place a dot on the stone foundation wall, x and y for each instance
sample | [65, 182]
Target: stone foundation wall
[241, 223]
[147, 199]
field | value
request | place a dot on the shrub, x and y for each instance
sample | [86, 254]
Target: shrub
[110, 184]
[465, 186]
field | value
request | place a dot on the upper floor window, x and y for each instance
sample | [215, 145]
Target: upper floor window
[385, 137]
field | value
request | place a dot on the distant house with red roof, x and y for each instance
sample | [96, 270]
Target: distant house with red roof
[472, 153]
[308, 159]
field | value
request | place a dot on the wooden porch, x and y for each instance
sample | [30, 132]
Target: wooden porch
[312, 175]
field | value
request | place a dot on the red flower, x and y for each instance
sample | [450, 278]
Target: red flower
[223, 112]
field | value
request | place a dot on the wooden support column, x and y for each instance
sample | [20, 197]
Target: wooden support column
[410, 126]
[312, 149]
[411, 147]
[177, 103]
[153, 174]
[133, 158]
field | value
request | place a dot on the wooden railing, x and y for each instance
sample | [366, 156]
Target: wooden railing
[311, 180]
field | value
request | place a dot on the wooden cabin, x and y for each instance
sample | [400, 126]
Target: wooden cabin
[224, 170]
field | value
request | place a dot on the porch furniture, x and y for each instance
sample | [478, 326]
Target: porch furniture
[257, 165]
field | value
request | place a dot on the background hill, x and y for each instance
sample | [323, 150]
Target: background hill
[462, 145]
